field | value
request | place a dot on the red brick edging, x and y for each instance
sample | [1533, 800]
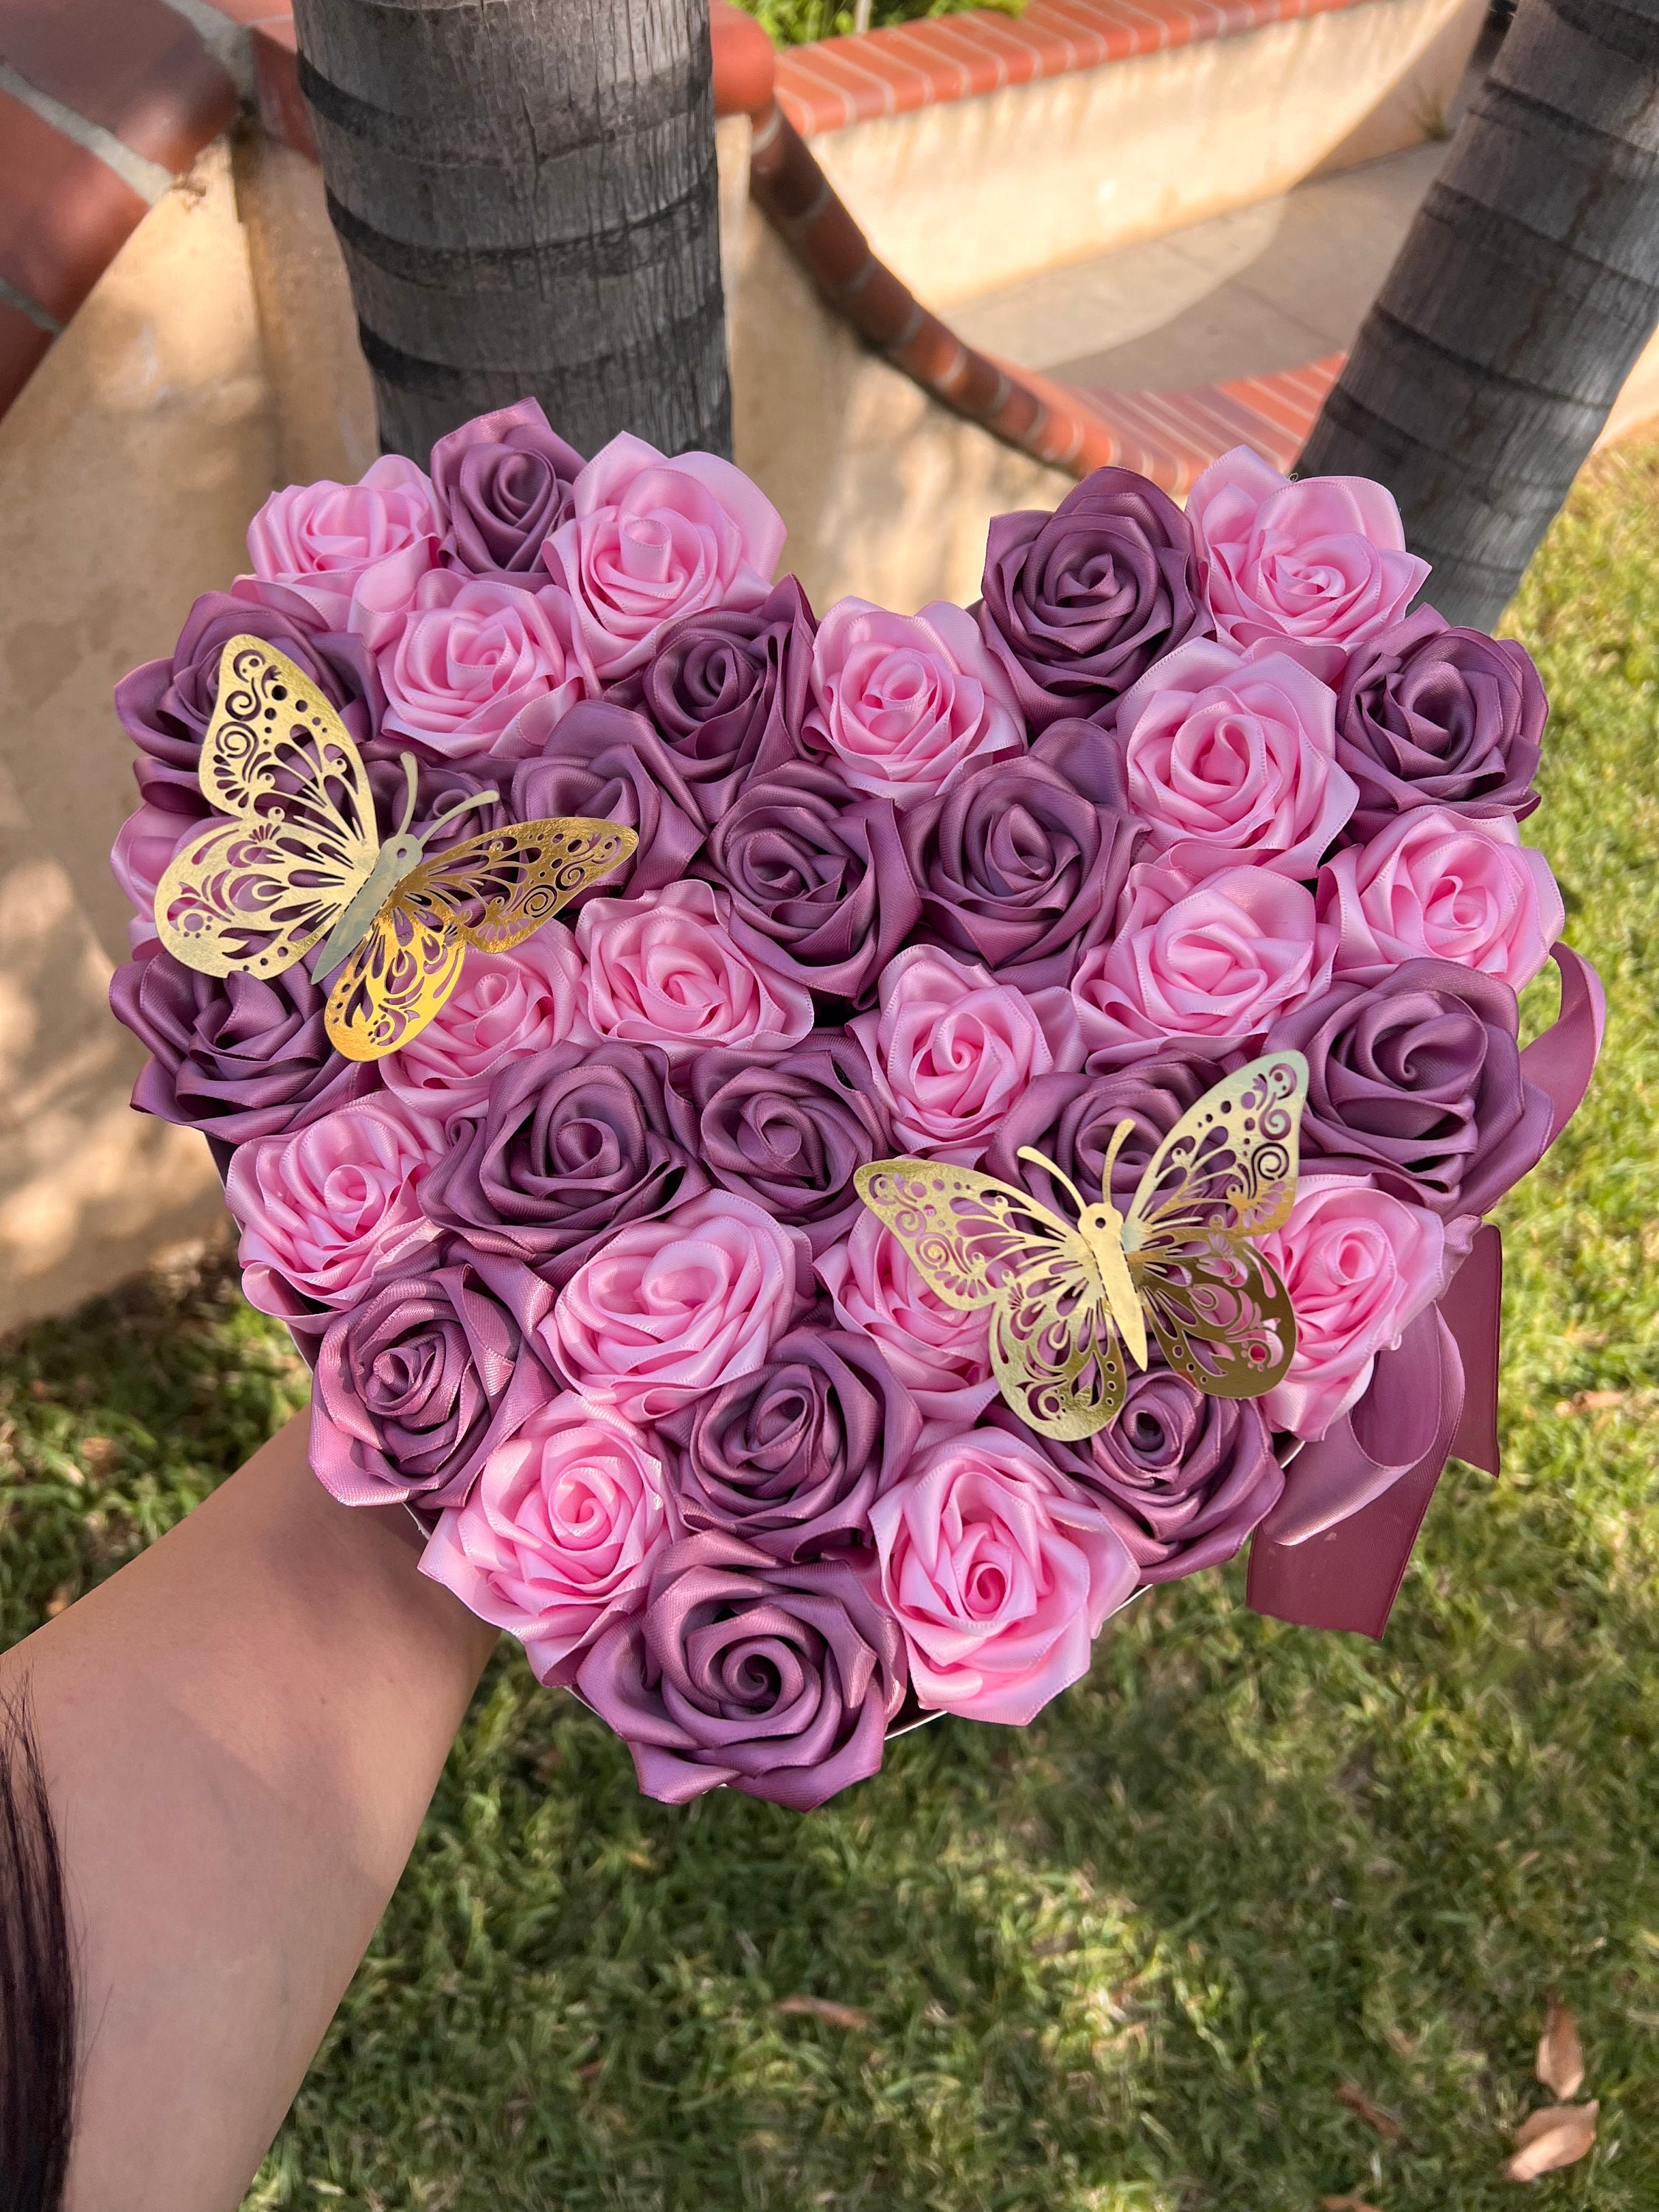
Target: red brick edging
[838, 82]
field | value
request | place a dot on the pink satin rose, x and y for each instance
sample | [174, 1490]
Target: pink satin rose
[906, 703]
[1232, 760]
[675, 1307]
[1322, 560]
[506, 1006]
[940, 1354]
[145, 844]
[1359, 1266]
[1209, 964]
[1447, 885]
[320, 539]
[325, 1211]
[649, 540]
[665, 969]
[461, 661]
[999, 1577]
[557, 1541]
[952, 1049]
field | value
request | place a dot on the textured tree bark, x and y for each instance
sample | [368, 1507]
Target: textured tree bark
[524, 193]
[1524, 291]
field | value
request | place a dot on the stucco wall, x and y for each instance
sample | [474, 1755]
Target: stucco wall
[128, 466]
[886, 494]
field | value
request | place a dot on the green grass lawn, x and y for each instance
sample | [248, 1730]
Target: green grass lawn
[797, 22]
[1126, 1957]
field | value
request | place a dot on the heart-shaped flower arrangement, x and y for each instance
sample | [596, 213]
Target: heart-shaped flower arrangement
[798, 1288]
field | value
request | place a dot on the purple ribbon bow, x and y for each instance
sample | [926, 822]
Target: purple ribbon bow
[1334, 1551]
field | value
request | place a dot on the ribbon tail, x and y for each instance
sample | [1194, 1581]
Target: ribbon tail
[1471, 1307]
[1345, 1572]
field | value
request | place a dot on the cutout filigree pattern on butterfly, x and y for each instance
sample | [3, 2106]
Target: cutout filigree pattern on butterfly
[302, 864]
[1184, 1261]
[257, 893]
[489, 893]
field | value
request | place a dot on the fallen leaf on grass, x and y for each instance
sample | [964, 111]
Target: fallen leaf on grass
[1350, 2095]
[1590, 1402]
[99, 1453]
[824, 2009]
[1558, 2136]
[1346, 2204]
[1560, 2054]
[60, 1601]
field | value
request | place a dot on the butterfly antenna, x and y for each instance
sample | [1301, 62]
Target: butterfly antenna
[410, 773]
[1042, 1160]
[1124, 1130]
[448, 813]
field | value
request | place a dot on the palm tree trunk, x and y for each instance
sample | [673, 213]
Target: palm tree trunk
[1524, 291]
[524, 193]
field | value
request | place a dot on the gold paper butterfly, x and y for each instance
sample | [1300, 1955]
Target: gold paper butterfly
[1183, 1259]
[302, 861]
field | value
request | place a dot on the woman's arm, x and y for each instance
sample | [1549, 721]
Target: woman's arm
[240, 1733]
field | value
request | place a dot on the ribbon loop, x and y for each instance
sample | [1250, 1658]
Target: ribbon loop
[1347, 1573]
[1561, 1060]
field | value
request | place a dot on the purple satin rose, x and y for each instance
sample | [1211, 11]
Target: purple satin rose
[1417, 1080]
[1428, 715]
[789, 1134]
[601, 761]
[728, 692]
[823, 879]
[237, 1057]
[1022, 864]
[501, 484]
[778, 1680]
[1182, 1477]
[415, 1387]
[573, 1143]
[1081, 603]
[1070, 1120]
[791, 1457]
[165, 707]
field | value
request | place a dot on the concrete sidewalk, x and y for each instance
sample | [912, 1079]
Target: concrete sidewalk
[1264, 287]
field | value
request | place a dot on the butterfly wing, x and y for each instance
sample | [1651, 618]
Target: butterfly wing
[490, 892]
[1054, 1351]
[980, 1243]
[256, 893]
[1223, 1319]
[394, 982]
[497, 887]
[1223, 1179]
